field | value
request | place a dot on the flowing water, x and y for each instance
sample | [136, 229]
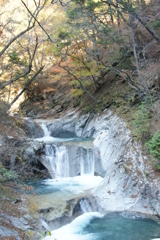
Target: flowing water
[112, 226]
[53, 194]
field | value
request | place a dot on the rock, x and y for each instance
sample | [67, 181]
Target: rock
[113, 157]
[118, 159]
[30, 153]
[45, 210]
[31, 114]
[57, 108]
[20, 223]
[32, 129]
[16, 201]
[30, 219]
[4, 232]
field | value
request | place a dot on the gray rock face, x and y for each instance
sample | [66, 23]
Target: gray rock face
[30, 153]
[129, 182]
[18, 223]
[4, 232]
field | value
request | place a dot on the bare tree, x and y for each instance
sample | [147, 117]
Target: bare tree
[19, 55]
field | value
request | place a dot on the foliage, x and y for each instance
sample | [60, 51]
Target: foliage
[156, 24]
[76, 93]
[15, 59]
[154, 147]
[6, 174]
[63, 34]
[141, 122]
[46, 233]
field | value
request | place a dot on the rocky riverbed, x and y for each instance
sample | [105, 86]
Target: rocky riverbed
[129, 181]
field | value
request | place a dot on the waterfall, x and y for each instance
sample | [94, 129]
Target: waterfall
[58, 160]
[78, 154]
[57, 157]
[62, 163]
[85, 207]
[87, 162]
[45, 130]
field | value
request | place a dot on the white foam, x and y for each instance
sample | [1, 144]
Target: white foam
[73, 231]
[49, 139]
[75, 184]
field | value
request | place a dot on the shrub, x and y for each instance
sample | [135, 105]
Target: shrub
[141, 122]
[6, 174]
[153, 146]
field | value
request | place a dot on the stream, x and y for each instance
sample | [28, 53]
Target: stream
[54, 197]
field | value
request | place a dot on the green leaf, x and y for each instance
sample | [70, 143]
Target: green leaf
[40, 235]
[31, 233]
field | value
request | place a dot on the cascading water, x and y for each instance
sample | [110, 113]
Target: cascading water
[62, 163]
[45, 130]
[85, 206]
[55, 193]
[87, 162]
[58, 160]
[57, 157]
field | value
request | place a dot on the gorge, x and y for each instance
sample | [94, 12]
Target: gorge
[100, 145]
[80, 120]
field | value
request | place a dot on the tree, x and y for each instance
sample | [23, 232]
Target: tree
[96, 24]
[22, 53]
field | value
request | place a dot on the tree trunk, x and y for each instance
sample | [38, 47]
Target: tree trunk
[150, 30]
[131, 18]
[26, 86]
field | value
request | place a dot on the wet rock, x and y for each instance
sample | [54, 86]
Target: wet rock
[63, 134]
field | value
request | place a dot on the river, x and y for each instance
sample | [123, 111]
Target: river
[53, 196]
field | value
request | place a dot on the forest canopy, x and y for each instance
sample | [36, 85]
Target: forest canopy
[88, 40]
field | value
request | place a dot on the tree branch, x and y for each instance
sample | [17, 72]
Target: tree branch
[36, 12]
[29, 67]
[26, 86]
[35, 18]
[16, 37]
[82, 86]
[134, 14]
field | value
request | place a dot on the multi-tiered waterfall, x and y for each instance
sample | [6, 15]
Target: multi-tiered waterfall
[57, 156]
[71, 164]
